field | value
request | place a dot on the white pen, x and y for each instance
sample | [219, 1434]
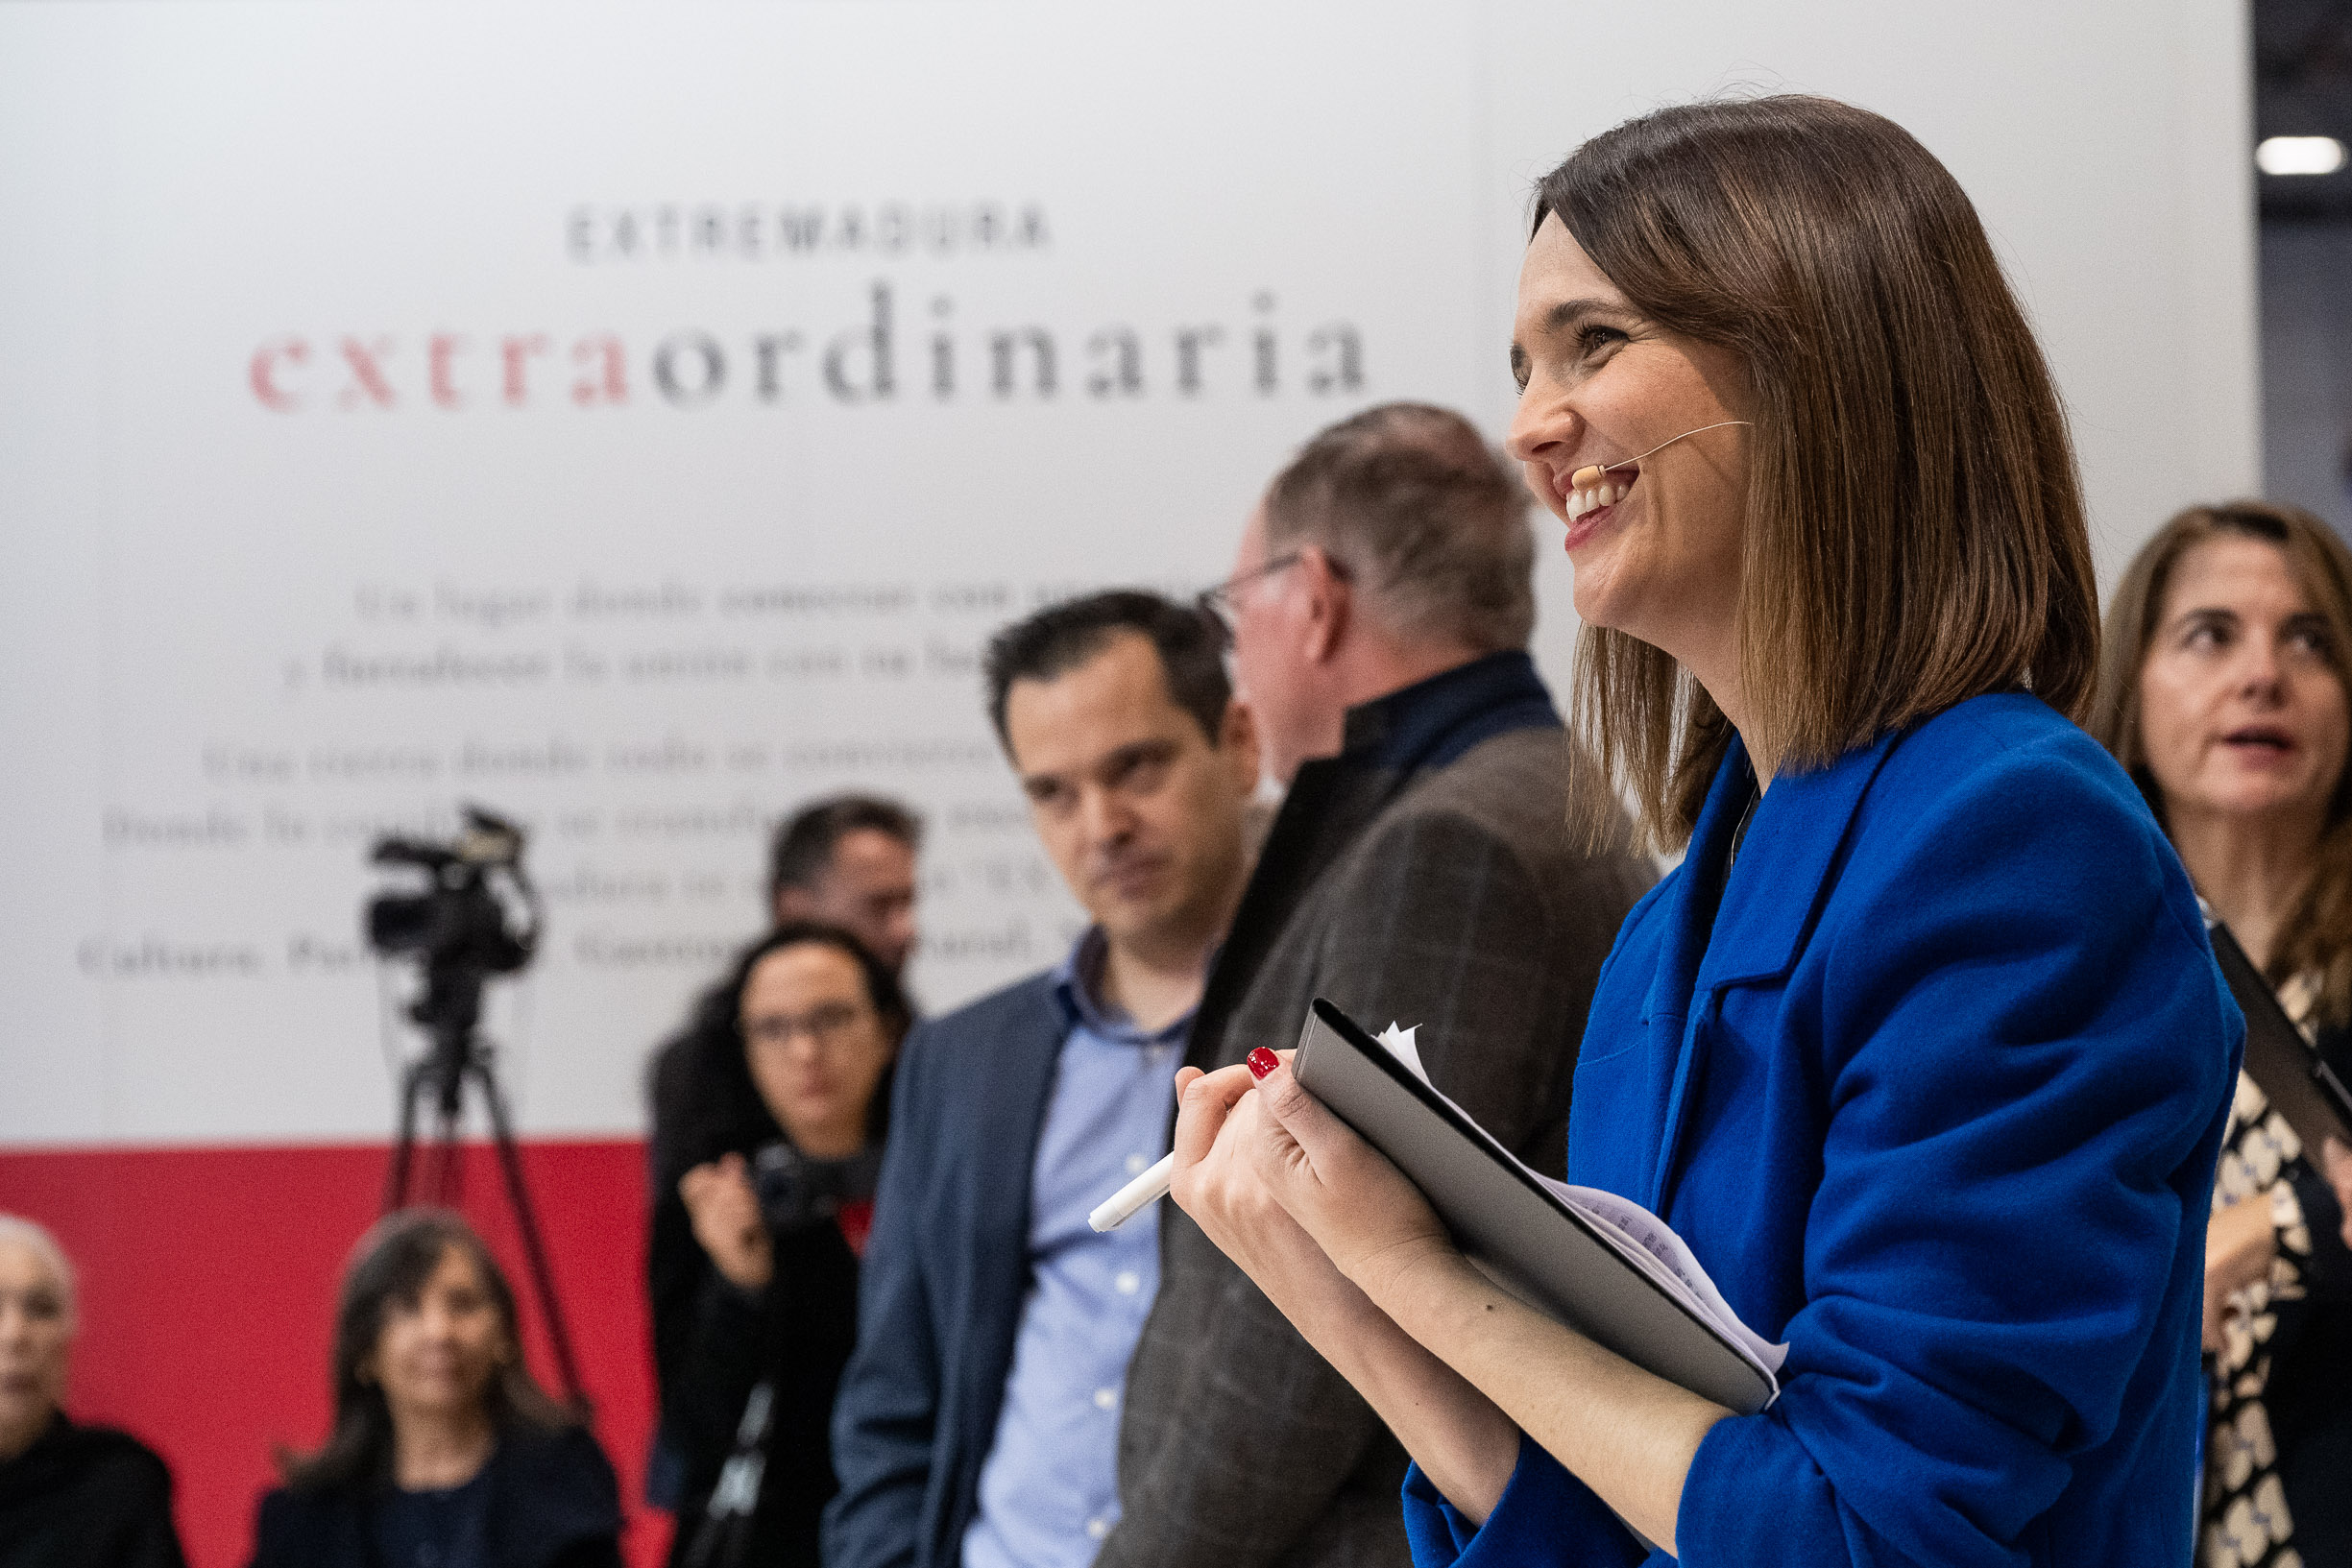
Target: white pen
[1135, 1196]
[1151, 1186]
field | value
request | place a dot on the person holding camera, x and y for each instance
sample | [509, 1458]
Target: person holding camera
[768, 1118]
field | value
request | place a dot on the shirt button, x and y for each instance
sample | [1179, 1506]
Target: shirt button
[1097, 1529]
[1129, 1282]
[1136, 1163]
[1105, 1398]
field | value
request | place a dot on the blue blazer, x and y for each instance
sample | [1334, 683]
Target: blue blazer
[1935, 1096]
[944, 1273]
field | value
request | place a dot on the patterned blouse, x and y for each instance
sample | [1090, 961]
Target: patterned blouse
[2245, 1522]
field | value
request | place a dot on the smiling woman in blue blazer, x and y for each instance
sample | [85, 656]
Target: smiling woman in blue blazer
[1922, 1047]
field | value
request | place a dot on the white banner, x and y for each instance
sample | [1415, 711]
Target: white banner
[635, 419]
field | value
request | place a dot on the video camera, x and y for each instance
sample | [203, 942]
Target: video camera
[457, 921]
[459, 927]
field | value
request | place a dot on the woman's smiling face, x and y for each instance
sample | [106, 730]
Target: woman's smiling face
[1656, 550]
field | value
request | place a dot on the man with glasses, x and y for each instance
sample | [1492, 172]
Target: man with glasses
[978, 1422]
[1422, 871]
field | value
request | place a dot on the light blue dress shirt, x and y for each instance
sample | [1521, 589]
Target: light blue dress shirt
[1049, 1491]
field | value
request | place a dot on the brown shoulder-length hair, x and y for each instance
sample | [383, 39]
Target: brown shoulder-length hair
[2317, 937]
[1914, 529]
[391, 1265]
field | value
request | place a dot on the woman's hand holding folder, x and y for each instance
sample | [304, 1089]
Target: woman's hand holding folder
[1345, 1199]
[1354, 1257]
[1239, 1168]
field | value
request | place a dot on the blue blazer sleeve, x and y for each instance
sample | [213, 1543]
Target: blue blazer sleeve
[2027, 1057]
[2008, 1031]
[886, 1413]
[1545, 1515]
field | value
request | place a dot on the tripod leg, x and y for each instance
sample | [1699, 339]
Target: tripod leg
[543, 1280]
[449, 1190]
[396, 1182]
[451, 1193]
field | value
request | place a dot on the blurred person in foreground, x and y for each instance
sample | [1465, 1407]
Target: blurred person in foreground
[768, 1116]
[71, 1496]
[849, 861]
[2223, 693]
[979, 1420]
[1422, 871]
[444, 1451]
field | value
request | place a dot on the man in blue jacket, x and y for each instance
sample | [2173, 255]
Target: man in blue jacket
[978, 1422]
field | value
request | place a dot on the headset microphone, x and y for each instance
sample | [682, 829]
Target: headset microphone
[1592, 473]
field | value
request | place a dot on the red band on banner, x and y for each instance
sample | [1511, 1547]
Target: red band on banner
[207, 1284]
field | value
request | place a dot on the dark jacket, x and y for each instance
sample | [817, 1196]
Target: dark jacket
[2308, 1396]
[946, 1270]
[714, 1341]
[553, 1504]
[1425, 876]
[87, 1497]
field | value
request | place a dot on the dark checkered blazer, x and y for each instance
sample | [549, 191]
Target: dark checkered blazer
[1454, 898]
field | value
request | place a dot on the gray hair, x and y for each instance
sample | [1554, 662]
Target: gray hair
[1431, 522]
[37, 1240]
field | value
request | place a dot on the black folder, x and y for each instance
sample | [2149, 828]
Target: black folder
[2295, 1077]
[1519, 1234]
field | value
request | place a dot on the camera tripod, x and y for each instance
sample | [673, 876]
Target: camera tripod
[450, 1011]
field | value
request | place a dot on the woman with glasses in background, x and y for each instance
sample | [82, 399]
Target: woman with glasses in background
[768, 1115]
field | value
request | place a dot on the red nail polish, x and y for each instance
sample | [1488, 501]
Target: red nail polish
[1262, 1062]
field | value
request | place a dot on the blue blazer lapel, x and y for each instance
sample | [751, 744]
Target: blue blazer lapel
[1769, 905]
[1011, 1078]
[1687, 918]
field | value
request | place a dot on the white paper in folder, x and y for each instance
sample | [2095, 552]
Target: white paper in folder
[1646, 1240]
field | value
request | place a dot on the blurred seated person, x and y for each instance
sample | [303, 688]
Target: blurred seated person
[445, 1452]
[71, 1496]
[2223, 692]
[769, 1115]
[849, 861]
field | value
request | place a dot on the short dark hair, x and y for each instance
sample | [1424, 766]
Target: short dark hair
[1191, 644]
[1410, 498]
[803, 848]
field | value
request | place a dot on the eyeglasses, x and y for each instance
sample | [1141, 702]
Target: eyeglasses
[824, 1026]
[1218, 602]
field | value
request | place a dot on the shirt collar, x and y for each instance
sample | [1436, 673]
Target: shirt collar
[1078, 982]
[1432, 721]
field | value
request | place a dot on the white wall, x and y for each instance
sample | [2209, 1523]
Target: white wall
[257, 606]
